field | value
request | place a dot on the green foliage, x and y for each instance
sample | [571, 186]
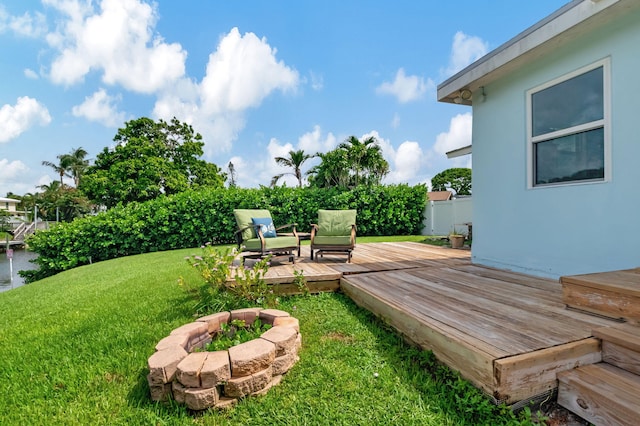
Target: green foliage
[192, 218]
[294, 161]
[70, 165]
[300, 282]
[4, 221]
[249, 285]
[352, 163]
[216, 265]
[236, 333]
[332, 172]
[456, 178]
[150, 159]
[457, 393]
[61, 202]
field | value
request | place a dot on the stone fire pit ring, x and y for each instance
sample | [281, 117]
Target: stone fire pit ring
[203, 380]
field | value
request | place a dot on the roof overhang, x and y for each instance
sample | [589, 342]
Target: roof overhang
[465, 150]
[567, 23]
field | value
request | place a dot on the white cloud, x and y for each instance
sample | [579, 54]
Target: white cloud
[118, 41]
[458, 135]
[240, 74]
[45, 180]
[102, 108]
[465, 50]
[260, 172]
[313, 141]
[15, 120]
[405, 88]
[25, 25]
[10, 171]
[31, 74]
[395, 122]
[317, 81]
[405, 163]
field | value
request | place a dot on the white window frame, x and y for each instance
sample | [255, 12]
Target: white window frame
[605, 123]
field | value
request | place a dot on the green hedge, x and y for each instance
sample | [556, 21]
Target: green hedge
[191, 219]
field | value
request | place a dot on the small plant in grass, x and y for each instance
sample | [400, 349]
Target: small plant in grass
[249, 284]
[235, 333]
[217, 293]
[300, 282]
[214, 265]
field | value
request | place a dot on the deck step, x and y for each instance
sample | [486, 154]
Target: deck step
[601, 393]
[621, 346]
[613, 294]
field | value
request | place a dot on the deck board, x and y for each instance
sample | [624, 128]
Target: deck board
[506, 332]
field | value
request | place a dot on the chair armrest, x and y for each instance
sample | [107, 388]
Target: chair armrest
[238, 233]
[288, 225]
[314, 230]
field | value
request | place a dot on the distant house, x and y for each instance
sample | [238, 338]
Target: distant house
[556, 145]
[9, 204]
[439, 195]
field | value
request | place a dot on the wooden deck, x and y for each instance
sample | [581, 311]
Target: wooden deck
[507, 333]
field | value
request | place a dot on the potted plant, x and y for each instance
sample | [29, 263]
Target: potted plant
[456, 239]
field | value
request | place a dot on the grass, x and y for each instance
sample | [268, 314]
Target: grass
[75, 347]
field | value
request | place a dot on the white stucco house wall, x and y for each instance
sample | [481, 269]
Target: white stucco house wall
[556, 142]
[9, 204]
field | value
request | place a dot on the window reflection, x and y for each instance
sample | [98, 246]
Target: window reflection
[570, 158]
[570, 103]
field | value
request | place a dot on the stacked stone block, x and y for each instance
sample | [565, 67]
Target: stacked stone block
[218, 379]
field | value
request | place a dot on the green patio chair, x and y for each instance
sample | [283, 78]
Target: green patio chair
[256, 234]
[335, 232]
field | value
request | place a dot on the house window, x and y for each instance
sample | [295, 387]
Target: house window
[568, 120]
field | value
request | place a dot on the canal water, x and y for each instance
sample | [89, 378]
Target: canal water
[21, 258]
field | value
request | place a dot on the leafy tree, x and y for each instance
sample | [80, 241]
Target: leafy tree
[293, 161]
[150, 159]
[456, 178]
[366, 160]
[352, 163]
[61, 202]
[333, 171]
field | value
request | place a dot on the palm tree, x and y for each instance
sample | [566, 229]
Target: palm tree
[59, 168]
[365, 158]
[232, 175]
[293, 161]
[75, 163]
[332, 171]
[71, 165]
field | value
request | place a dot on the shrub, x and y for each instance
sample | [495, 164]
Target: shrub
[191, 218]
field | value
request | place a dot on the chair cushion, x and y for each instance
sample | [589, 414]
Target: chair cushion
[266, 225]
[243, 218]
[335, 222]
[271, 243]
[320, 240]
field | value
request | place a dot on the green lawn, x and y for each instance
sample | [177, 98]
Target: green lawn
[74, 350]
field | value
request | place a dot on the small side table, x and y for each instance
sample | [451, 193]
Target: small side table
[302, 236]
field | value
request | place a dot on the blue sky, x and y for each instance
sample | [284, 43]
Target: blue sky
[255, 78]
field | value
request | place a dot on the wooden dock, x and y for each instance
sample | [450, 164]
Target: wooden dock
[507, 333]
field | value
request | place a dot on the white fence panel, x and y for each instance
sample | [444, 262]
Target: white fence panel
[441, 217]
